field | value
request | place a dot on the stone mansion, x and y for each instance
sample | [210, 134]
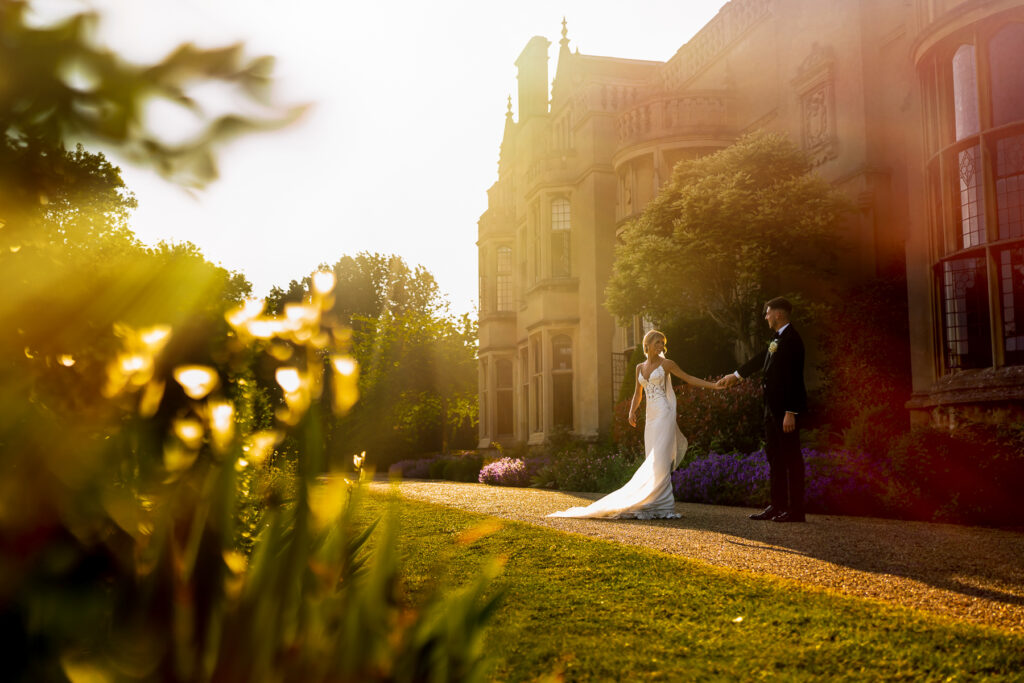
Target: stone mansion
[913, 108]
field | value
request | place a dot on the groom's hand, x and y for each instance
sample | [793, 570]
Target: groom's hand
[789, 422]
[726, 381]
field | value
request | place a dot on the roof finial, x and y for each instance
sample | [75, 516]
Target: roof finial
[508, 113]
[564, 42]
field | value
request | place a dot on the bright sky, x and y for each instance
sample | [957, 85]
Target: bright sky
[402, 143]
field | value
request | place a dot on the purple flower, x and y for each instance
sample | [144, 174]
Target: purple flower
[505, 472]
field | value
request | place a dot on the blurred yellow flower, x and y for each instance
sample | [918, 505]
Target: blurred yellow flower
[149, 403]
[263, 328]
[189, 431]
[280, 351]
[235, 561]
[196, 380]
[346, 383]
[261, 444]
[326, 500]
[155, 338]
[239, 316]
[222, 424]
[66, 359]
[178, 458]
[289, 379]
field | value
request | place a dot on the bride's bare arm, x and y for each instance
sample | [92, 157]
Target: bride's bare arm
[637, 393]
[674, 368]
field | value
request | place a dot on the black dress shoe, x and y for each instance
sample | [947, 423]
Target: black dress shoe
[769, 512]
[789, 517]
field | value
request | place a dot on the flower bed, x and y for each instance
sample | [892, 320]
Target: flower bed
[837, 482]
[505, 472]
[463, 466]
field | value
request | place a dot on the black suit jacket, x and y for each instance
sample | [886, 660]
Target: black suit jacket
[783, 379]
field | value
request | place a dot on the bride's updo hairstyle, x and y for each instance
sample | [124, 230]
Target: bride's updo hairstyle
[650, 337]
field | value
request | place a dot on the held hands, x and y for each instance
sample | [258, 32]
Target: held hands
[726, 382]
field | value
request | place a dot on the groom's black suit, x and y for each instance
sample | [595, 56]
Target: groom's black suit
[784, 391]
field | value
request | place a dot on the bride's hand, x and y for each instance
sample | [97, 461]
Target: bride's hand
[632, 419]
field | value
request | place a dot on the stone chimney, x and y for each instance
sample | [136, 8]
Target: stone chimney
[533, 78]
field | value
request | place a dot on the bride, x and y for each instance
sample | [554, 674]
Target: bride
[648, 495]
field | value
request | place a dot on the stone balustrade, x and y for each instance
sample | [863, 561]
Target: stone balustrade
[693, 113]
[731, 22]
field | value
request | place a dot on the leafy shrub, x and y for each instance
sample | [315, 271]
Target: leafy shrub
[837, 482]
[588, 467]
[874, 429]
[461, 466]
[865, 355]
[418, 468]
[157, 529]
[972, 475]
[464, 467]
[712, 421]
[717, 421]
[505, 472]
[844, 482]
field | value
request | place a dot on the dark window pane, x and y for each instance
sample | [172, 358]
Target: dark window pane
[1010, 186]
[504, 407]
[560, 255]
[1006, 57]
[561, 385]
[965, 314]
[504, 292]
[503, 370]
[1011, 290]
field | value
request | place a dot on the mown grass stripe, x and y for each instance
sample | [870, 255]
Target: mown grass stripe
[596, 610]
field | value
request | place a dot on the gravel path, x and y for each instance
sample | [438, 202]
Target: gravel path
[970, 573]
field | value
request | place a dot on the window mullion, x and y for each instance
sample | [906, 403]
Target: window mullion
[995, 307]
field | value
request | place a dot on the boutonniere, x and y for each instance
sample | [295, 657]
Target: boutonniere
[773, 345]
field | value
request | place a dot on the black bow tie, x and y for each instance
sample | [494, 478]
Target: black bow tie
[776, 335]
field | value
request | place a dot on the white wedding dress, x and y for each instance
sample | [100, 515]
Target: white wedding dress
[648, 495]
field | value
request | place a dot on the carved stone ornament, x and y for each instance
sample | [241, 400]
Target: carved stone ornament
[815, 86]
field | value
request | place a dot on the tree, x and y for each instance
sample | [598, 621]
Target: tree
[723, 235]
[417, 362]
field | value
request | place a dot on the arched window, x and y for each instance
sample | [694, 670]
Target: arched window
[561, 233]
[561, 381]
[504, 279]
[976, 187]
[965, 92]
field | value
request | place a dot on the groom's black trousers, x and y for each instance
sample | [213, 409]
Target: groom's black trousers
[785, 466]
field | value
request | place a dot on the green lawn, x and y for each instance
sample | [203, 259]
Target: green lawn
[595, 610]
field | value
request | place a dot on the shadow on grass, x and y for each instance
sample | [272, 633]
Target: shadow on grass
[976, 562]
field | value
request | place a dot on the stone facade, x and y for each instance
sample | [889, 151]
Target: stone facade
[914, 108]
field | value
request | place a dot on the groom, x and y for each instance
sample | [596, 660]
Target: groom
[785, 398]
